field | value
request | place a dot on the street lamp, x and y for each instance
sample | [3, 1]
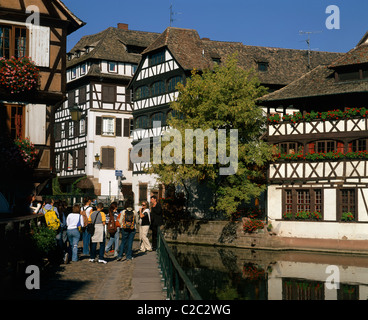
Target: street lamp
[97, 164]
[75, 112]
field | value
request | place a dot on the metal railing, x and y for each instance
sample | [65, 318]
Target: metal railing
[178, 286]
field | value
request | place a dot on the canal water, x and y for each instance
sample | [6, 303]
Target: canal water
[242, 274]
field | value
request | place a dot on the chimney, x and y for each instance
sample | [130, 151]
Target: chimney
[123, 26]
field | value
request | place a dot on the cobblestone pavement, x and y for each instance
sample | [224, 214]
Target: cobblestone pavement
[84, 280]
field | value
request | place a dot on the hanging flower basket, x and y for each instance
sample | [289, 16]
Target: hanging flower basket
[27, 150]
[18, 75]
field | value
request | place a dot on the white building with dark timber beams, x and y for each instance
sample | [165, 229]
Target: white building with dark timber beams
[321, 163]
[170, 60]
[91, 151]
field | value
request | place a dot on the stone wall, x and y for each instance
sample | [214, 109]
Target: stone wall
[231, 234]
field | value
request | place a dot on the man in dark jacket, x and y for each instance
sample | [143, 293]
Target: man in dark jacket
[156, 219]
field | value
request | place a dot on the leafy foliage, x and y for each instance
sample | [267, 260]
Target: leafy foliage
[222, 98]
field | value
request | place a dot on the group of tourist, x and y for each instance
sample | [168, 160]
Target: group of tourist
[92, 226]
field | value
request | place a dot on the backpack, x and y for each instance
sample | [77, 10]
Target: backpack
[91, 226]
[111, 226]
[128, 220]
[84, 215]
[52, 220]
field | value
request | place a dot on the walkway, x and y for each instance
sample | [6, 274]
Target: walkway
[138, 279]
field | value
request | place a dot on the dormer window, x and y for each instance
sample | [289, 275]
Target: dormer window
[262, 66]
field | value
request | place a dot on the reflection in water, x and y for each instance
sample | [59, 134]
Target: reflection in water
[242, 274]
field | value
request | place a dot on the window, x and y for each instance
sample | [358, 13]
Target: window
[71, 129]
[112, 67]
[13, 41]
[83, 69]
[16, 121]
[108, 126]
[299, 200]
[303, 201]
[74, 73]
[82, 126]
[158, 88]
[142, 93]
[108, 94]
[70, 161]
[108, 158]
[288, 147]
[325, 146]
[349, 76]
[157, 58]
[173, 82]
[141, 122]
[58, 162]
[134, 68]
[262, 66]
[157, 117]
[358, 145]
[347, 201]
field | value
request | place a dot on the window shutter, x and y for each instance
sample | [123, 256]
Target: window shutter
[76, 129]
[108, 94]
[66, 128]
[126, 127]
[71, 98]
[108, 158]
[111, 152]
[82, 95]
[118, 127]
[81, 158]
[74, 153]
[98, 125]
[58, 132]
[66, 161]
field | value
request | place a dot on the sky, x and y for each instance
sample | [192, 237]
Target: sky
[268, 23]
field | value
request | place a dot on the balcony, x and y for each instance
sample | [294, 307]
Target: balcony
[350, 123]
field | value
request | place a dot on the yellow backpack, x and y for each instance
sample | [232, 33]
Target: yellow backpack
[52, 220]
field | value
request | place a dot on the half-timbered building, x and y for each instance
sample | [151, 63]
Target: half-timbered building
[318, 183]
[99, 68]
[38, 30]
[172, 57]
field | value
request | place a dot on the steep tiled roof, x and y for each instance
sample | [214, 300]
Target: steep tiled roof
[111, 44]
[357, 55]
[321, 80]
[284, 65]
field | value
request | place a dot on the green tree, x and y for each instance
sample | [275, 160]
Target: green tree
[221, 98]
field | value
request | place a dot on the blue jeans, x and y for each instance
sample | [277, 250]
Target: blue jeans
[86, 242]
[94, 249]
[127, 238]
[74, 236]
[114, 239]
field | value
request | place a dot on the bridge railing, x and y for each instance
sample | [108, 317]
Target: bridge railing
[178, 286]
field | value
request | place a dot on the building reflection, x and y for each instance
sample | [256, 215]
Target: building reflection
[242, 274]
